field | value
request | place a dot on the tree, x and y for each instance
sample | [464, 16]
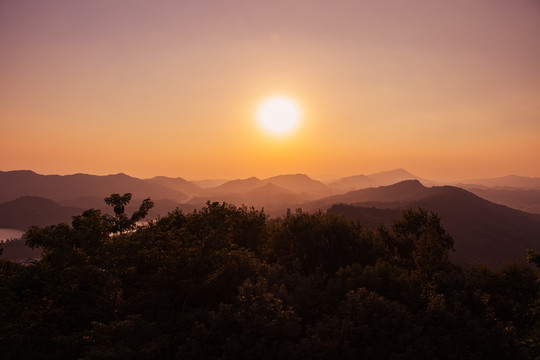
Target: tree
[225, 282]
[533, 258]
[317, 240]
[420, 243]
[121, 222]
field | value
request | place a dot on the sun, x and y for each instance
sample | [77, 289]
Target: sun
[279, 115]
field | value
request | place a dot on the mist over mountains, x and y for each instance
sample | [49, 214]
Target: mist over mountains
[377, 179]
[510, 181]
[491, 220]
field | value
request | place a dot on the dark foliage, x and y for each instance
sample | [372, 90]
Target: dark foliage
[16, 250]
[224, 282]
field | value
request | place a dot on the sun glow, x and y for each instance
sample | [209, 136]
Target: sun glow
[279, 115]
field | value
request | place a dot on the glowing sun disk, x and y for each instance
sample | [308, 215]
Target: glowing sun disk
[278, 115]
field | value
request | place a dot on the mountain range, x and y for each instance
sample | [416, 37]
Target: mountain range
[15, 184]
[474, 213]
[510, 181]
[80, 190]
[377, 179]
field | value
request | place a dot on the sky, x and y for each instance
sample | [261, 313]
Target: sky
[444, 89]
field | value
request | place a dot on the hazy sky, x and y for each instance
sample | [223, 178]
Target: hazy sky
[445, 89]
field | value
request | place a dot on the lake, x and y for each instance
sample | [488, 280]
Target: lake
[10, 234]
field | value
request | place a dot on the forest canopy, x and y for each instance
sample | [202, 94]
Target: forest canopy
[227, 282]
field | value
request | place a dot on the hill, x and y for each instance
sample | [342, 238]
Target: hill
[272, 198]
[383, 178]
[15, 184]
[522, 199]
[399, 192]
[372, 180]
[270, 195]
[302, 186]
[208, 183]
[178, 184]
[235, 186]
[352, 182]
[510, 181]
[31, 210]
[482, 231]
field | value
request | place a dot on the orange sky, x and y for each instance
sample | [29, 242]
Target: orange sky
[444, 89]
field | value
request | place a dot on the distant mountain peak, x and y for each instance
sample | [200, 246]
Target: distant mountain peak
[403, 187]
[394, 172]
[383, 178]
[166, 178]
[252, 179]
[121, 175]
[412, 183]
[19, 172]
[290, 177]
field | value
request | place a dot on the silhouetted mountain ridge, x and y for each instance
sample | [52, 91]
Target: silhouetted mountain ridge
[63, 187]
[373, 180]
[31, 210]
[402, 191]
[301, 184]
[522, 199]
[482, 230]
[178, 184]
[509, 181]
